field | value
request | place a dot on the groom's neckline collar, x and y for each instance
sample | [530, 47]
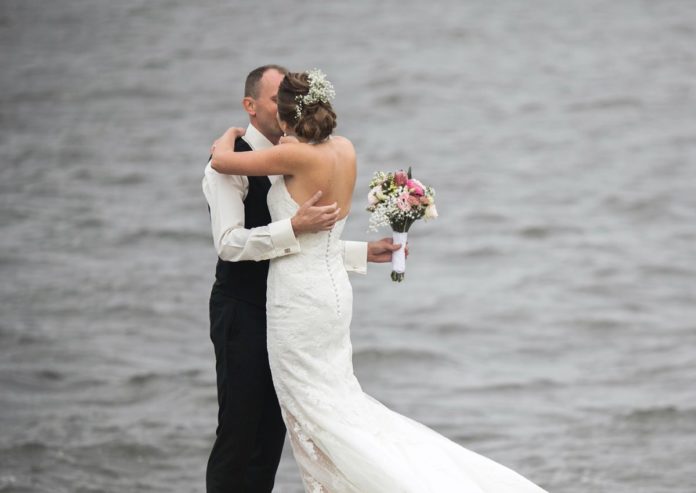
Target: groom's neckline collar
[256, 139]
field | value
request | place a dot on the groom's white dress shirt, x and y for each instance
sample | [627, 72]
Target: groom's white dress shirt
[233, 242]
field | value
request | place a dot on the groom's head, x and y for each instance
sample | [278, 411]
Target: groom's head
[261, 98]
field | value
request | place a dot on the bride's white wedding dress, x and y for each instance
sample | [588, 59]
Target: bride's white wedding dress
[343, 439]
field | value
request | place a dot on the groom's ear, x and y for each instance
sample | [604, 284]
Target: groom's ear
[249, 105]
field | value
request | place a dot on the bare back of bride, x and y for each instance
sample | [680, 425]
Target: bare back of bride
[343, 439]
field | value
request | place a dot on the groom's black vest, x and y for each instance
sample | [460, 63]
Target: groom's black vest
[246, 280]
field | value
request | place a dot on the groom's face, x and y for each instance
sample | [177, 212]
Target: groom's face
[266, 105]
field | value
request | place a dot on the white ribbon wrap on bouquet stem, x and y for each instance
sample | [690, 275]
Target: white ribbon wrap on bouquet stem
[399, 256]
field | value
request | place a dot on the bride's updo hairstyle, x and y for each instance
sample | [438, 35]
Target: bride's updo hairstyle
[304, 104]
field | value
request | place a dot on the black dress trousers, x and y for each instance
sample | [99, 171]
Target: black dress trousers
[250, 431]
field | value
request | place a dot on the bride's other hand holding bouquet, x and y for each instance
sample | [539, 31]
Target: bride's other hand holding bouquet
[398, 200]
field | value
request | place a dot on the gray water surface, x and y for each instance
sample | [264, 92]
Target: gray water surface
[548, 319]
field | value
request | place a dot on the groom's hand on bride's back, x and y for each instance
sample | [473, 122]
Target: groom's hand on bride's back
[380, 251]
[311, 218]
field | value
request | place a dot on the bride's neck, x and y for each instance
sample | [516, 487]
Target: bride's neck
[306, 141]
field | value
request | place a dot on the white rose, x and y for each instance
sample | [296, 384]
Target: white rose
[430, 212]
[372, 196]
[380, 194]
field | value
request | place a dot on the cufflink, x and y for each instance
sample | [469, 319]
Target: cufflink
[287, 250]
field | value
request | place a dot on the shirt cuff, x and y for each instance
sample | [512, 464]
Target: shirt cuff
[355, 256]
[283, 238]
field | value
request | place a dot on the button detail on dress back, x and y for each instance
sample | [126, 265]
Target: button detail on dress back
[331, 277]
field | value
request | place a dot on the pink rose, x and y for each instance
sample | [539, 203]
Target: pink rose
[403, 203]
[400, 177]
[415, 187]
[424, 200]
[413, 200]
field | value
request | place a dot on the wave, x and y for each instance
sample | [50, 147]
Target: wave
[605, 104]
[149, 378]
[130, 178]
[398, 355]
[533, 384]
[26, 448]
[122, 448]
[47, 380]
[102, 94]
[144, 234]
[540, 232]
[482, 251]
[658, 413]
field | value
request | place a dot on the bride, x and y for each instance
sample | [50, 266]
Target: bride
[343, 439]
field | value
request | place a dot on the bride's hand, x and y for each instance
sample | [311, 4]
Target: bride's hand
[232, 133]
[380, 251]
[227, 139]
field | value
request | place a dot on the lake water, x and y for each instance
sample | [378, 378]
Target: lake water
[548, 319]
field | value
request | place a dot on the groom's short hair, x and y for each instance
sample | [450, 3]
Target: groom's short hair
[251, 86]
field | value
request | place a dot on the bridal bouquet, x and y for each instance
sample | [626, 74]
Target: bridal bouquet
[398, 200]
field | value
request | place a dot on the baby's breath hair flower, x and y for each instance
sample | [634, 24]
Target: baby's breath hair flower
[320, 90]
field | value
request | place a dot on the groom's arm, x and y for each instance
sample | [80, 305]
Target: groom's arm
[233, 242]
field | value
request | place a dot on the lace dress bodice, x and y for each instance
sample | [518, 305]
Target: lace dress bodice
[316, 271]
[281, 205]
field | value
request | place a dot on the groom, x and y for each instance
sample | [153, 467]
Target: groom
[250, 432]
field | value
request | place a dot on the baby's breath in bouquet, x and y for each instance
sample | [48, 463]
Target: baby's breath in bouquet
[398, 200]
